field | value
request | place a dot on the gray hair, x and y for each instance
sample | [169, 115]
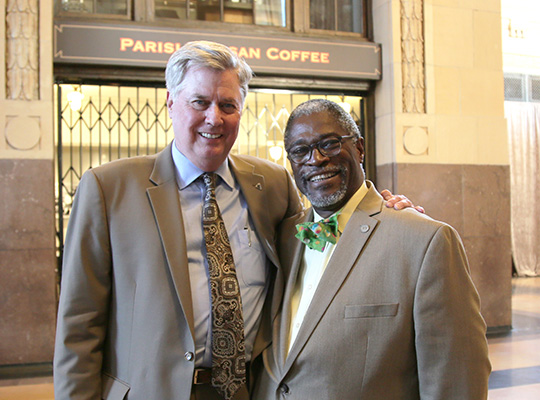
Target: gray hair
[343, 118]
[203, 53]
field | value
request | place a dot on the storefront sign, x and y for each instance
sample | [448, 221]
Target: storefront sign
[76, 42]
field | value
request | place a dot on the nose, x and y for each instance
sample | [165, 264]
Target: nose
[213, 115]
[316, 157]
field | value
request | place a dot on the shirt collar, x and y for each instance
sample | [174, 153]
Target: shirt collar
[187, 172]
[348, 210]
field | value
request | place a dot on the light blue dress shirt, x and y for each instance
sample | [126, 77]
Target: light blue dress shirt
[249, 256]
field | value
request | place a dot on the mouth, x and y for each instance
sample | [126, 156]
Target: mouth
[209, 135]
[319, 177]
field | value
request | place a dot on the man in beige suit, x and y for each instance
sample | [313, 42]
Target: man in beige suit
[134, 318]
[134, 315]
[389, 311]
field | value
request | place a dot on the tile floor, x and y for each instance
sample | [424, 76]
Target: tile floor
[515, 356]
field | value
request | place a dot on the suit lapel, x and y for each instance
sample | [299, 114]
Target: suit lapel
[345, 257]
[293, 253]
[166, 207]
[254, 191]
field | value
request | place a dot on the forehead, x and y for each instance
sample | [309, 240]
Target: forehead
[205, 81]
[313, 127]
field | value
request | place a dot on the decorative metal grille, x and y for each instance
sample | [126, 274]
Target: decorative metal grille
[535, 88]
[112, 122]
[514, 88]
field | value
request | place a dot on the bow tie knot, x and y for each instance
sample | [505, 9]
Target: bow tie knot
[315, 235]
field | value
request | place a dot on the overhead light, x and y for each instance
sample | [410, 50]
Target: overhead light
[75, 99]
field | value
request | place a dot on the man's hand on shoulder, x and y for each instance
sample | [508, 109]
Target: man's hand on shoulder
[399, 201]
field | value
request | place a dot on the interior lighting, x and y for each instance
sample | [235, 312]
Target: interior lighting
[276, 151]
[75, 99]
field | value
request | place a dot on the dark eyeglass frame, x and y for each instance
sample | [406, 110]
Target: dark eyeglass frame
[332, 153]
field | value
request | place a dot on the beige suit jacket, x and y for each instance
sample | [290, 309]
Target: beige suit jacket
[125, 322]
[395, 316]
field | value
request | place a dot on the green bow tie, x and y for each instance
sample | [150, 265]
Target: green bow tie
[315, 235]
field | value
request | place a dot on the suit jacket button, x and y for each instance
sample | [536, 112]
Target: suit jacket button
[284, 389]
[189, 356]
[364, 228]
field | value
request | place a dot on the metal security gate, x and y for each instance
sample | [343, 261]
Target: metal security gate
[96, 124]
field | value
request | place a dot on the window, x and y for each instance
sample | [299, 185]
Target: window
[345, 16]
[107, 7]
[514, 88]
[258, 12]
[519, 87]
[535, 88]
[337, 15]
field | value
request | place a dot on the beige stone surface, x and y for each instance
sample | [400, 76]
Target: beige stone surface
[487, 52]
[452, 36]
[482, 92]
[447, 85]
[464, 85]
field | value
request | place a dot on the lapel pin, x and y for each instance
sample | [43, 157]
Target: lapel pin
[258, 186]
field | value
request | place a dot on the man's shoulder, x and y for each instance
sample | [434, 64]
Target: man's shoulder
[243, 160]
[412, 223]
[126, 166]
[408, 218]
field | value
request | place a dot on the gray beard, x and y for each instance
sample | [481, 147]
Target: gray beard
[334, 198]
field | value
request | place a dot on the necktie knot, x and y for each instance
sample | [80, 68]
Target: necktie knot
[210, 207]
[316, 235]
[209, 179]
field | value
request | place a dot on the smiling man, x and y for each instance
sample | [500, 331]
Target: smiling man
[379, 304]
[171, 276]
[163, 290]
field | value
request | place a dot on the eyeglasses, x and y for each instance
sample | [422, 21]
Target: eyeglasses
[328, 147]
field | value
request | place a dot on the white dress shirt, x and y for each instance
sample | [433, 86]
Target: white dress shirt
[249, 256]
[313, 266]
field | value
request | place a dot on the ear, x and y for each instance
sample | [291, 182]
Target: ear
[169, 100]
[360, 148]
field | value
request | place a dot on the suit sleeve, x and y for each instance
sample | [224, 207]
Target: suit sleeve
[84, 296]
[450, 337]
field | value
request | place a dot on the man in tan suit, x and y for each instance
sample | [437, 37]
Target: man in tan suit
[134, 318]
[388, 311]
[134, 314]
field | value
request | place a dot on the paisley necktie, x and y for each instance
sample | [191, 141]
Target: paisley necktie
[228, 350]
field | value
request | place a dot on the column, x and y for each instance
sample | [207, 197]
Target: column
[27, 217]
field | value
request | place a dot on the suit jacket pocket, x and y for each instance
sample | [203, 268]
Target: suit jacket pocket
[371, 310]
[112, 388]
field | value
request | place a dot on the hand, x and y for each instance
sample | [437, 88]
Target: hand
[399, 202]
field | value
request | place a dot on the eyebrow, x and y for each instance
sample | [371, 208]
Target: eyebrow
[198, 96]
[321, 137]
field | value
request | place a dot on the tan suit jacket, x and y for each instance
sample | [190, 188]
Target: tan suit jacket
[395, 316]
[125, 322]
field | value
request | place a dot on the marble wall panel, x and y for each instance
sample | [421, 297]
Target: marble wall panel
[486, 192]
[437, 188]
[27, 306]
[27, 206]
[475, 200]
[27, 261]
[490, 260]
